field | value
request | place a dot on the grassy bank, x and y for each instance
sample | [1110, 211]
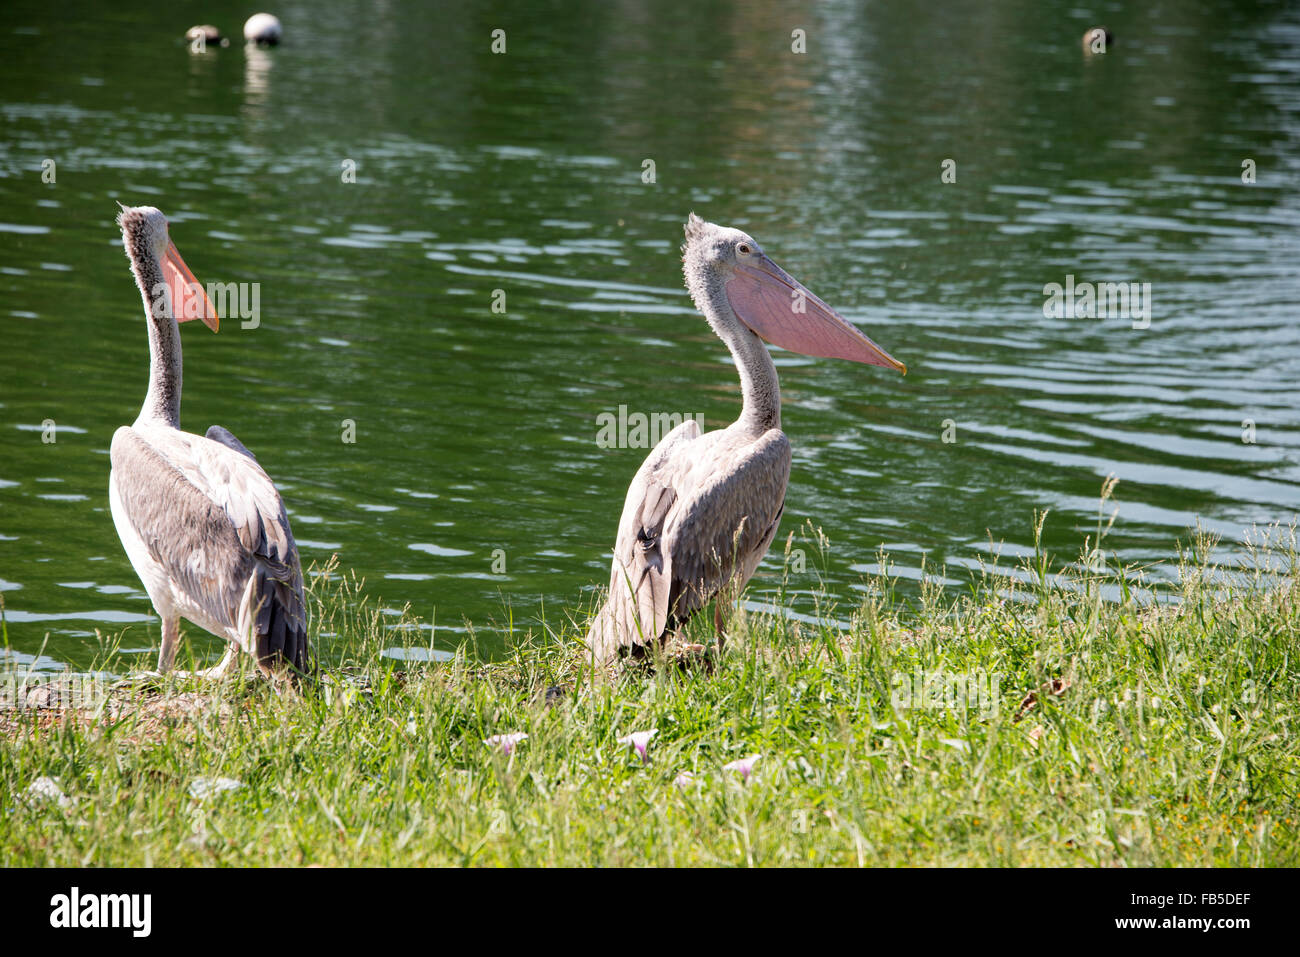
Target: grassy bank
[1066, 728]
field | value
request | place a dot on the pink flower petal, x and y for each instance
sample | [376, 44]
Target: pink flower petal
[639, 741]
[744, 767]
[506, 742]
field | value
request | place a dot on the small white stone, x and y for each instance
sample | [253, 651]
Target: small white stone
[202, 788]
[47, 789]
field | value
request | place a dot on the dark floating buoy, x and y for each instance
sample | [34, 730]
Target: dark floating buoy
[1097, 40]
[203, 36]
[262, 29]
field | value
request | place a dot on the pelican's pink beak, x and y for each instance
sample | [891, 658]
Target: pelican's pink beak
[189, 299]
[780, 309]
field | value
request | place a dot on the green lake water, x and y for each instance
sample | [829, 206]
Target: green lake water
[476, 430]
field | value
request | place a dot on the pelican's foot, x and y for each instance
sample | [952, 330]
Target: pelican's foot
[207, 674]
[226, 667]
[153, 680]
[688, 655]
[138, 678]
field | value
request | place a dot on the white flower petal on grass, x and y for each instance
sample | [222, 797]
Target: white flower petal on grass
[744, 767]
[47, 789]
[202, 788]
[505, 743]
[639, 741]
[684, 780]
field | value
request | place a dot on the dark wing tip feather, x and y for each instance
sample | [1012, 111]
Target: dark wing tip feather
[281, 623]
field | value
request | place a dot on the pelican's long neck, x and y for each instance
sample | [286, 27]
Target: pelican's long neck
[162, 403]
[758, 380]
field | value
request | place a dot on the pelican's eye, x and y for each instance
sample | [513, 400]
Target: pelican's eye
[744, 249]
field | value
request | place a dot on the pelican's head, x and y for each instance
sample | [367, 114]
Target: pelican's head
[146, 240]
[766, 299]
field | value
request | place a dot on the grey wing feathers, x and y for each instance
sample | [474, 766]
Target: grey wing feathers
[640, 587]
[724, 530]
[185, 531]
[636, 607]
[695, 516]
[214, 520]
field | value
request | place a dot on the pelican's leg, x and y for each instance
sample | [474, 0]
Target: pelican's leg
[222, 668]
[719, 623]
[171, 636]
[725, 607]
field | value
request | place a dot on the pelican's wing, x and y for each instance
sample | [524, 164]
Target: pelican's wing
[213, 519]
[723, 529]
[219, 433]
[694, 512]
[636, 606]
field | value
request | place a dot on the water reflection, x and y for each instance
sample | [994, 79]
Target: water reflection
[257, 76]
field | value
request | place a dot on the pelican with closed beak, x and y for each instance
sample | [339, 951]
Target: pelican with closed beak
[202, 523]
[704, 507]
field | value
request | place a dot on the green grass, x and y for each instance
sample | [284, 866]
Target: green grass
[1158, 734]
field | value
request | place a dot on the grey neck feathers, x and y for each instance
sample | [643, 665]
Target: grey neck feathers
[758, 380]
[162, 403]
